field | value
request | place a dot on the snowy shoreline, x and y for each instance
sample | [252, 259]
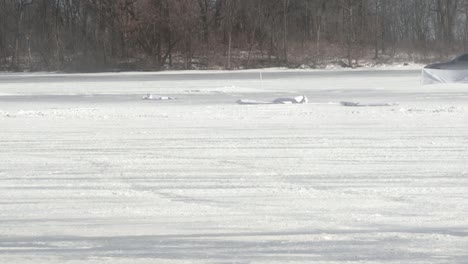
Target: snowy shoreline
[272, 70]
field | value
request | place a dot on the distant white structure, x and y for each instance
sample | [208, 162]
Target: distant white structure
[454, 71]
[436, 76]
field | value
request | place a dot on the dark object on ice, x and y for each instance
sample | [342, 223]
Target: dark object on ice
[454, 71]
[357, 104]
[302, 99]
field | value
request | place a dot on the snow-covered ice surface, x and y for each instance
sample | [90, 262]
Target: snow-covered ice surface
[90, 173]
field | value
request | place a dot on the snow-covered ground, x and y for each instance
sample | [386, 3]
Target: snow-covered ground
[91, 173]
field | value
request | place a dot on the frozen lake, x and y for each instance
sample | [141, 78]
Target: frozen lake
[91, 173]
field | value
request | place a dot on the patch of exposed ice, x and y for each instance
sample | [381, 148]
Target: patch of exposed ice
[358, 104]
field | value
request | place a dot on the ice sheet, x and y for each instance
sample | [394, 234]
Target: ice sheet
[90, 173]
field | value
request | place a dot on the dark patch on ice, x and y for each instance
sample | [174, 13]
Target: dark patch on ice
[329, 245]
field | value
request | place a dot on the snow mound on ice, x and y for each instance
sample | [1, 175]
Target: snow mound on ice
[157, 97]
[301, 99]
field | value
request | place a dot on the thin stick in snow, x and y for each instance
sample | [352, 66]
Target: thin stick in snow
[261, 80]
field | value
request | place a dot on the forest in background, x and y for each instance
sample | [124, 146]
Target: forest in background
[102, 35]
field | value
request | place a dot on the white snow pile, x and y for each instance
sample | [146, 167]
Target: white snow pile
[301, 99]
[157, 97]
[5, 114]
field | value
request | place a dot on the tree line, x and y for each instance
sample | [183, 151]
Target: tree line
[95, 35]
